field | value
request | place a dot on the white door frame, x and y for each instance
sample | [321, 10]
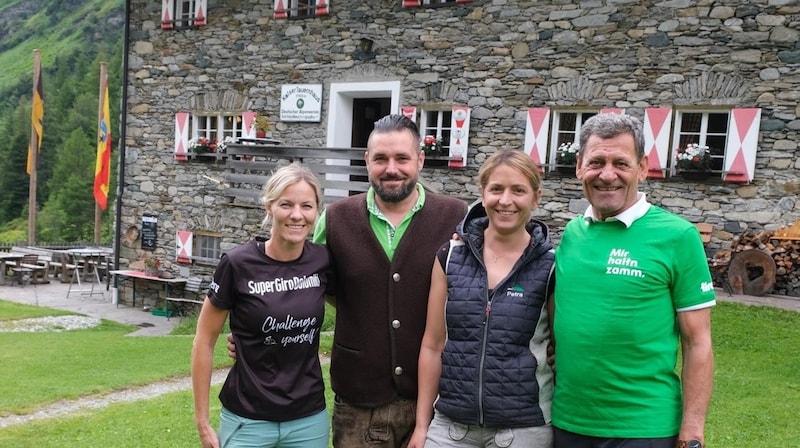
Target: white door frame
[340, 115]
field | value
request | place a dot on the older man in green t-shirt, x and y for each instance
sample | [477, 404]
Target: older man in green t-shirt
[638, 283]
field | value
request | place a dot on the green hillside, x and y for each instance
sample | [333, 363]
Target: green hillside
[73, 37]
[56, 28]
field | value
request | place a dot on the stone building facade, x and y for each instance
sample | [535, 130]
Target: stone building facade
[204, 72]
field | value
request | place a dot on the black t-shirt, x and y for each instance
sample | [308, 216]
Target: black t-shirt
[276, 312]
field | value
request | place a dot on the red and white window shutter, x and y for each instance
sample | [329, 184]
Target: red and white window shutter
[410, 112]
[322, 8]
[200, 11]
[183, 246]
[181, 135]
[657, 122]
[248, 121]
[536, 133]
[167, 9]
[280, 9]
[740, 155]
[459, 137]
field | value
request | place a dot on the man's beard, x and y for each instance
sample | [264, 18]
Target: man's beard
[394, 195]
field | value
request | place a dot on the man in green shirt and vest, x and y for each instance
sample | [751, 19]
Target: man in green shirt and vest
[383, 244]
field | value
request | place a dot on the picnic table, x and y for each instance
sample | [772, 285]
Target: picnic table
[134, 275]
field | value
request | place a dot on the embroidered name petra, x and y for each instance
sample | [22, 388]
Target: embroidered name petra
[284, 284]
[619, 263]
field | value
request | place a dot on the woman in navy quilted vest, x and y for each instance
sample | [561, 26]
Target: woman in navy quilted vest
[484, 380]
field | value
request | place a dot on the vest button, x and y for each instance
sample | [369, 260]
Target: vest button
[396, 277]
[398, 371]
[395, 324]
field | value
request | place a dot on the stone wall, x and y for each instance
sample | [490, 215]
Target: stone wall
[499, 57]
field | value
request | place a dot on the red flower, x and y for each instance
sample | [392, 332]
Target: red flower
[429, 140]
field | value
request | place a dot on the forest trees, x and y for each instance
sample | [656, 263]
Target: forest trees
[68, 152]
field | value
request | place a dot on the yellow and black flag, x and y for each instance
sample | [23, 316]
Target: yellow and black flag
[37, 115]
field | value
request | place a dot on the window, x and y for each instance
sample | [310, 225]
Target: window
[182, 14]
[566, 128]
[203, 132]
[217, 127]
[300, 9]
[207, 246]
[706, 129]
[437, 123]
[431, 3]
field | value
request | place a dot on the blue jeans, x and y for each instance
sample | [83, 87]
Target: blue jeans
[240, 432]
[446, 433]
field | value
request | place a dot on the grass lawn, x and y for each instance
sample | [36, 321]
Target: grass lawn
[40, 368]
[756, 391]
[757, 377]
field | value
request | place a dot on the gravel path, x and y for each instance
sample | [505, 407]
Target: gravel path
[153, 390]
[48, 323]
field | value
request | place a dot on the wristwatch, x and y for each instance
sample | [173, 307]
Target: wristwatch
[689, 444]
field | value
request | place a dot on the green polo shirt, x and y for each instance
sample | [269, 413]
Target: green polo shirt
[388, 235]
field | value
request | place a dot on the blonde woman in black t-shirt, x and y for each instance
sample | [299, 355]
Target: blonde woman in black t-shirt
[273, 292]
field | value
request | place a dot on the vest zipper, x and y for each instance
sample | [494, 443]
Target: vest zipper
[486, 315]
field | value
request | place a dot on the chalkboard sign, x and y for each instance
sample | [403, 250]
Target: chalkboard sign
[149, 232]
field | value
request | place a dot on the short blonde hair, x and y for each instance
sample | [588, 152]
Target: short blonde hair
[515, 159]
[284, 177]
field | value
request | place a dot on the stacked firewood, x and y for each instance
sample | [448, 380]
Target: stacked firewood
[782, 248]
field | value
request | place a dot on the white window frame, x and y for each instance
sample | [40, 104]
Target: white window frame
[217, 126]
[716, 139]
[436, 122]
[570, 133]
[301, 9]
[183, 13]
[206, 246]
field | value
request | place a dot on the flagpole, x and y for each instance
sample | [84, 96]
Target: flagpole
[98, 212]
[33, 155]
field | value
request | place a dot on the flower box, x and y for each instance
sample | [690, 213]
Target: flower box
[694, 158]
[567, 154]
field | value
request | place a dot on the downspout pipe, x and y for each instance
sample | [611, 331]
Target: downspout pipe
[123, 124]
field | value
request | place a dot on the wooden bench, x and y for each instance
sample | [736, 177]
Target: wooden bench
[192, 299]
[46, 256]
[28, 269]
[341, 171]
[62, 266]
